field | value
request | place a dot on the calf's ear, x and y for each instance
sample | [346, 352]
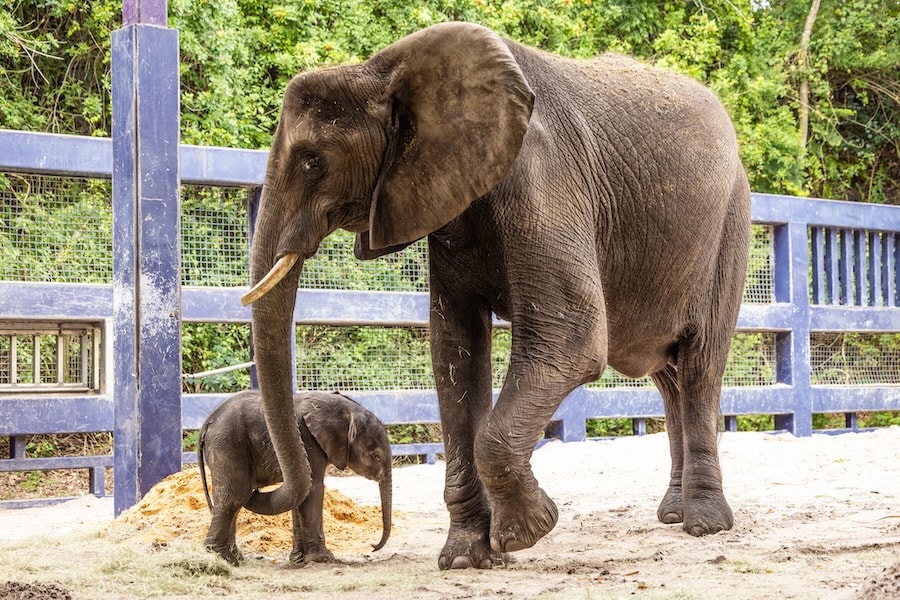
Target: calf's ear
[333, 428]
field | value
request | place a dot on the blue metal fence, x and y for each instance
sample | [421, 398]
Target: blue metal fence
[834, 270]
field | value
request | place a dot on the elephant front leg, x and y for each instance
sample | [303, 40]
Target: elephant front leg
[521, 512]
[546, 363]
[309, 533]
[460, 345]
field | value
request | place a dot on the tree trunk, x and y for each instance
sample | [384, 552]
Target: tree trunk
[803, 59]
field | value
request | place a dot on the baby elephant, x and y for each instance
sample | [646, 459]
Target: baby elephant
[234, 442]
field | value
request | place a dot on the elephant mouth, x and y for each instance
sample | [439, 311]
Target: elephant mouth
[281, 268]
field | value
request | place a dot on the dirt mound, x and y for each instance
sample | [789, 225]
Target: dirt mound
[175, 508]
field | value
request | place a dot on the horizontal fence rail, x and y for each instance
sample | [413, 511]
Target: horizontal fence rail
[830, 267]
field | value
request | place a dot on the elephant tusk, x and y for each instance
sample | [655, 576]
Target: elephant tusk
[275, 274]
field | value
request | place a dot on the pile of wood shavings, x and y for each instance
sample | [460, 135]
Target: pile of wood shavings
[175, 508]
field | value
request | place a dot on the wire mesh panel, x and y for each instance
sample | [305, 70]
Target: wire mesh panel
[751, 362]
[363, 358]
[335, 267]
[855, 359]
[214, 233]
[55, 229]
[758, 288]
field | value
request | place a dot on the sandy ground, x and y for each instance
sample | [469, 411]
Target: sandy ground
[815, 518]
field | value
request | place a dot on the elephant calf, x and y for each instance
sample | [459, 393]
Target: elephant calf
[235, 443]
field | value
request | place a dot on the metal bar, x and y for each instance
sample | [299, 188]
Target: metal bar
[229, 369]
[146, 12]
[896, 267]
[888, 269]
[781, 257]
[36, 359]
[818, 265]
[831, 266]
[639, 426]
[146, 266]
[56, 462]
[859, 266]
[97, 381]
[86, 367]
[846, 267]
[60, 359]
[875, 291]
[13, 359]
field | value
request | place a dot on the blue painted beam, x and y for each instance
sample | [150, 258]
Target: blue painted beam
[774, 209]
[227, 167]
[146, 12]
[75, 301]
[34, 414]
[146, 263]
[852, 318]
[835, 399]
[55, 154]
[57, 462]
[31, 300]
[90, 157]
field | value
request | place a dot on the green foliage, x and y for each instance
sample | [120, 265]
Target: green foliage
[238, 55]
[40, 447]
[208, 346]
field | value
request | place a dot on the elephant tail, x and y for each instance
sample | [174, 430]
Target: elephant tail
[201, 442]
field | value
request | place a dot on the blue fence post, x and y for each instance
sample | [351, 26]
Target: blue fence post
[254, 195]
[791, 242]
[146, 263]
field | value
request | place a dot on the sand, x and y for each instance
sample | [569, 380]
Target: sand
[815, 517]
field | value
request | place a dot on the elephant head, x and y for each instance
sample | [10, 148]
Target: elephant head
[353, 437]
[390, 149]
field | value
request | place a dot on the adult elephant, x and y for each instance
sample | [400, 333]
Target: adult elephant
[600, 206]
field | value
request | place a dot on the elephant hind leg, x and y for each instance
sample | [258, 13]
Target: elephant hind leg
[695, 416]
[222, 535]
[671, 508]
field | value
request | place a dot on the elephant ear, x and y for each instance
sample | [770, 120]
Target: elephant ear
[362, 249]
[333, 426]
[460, 108]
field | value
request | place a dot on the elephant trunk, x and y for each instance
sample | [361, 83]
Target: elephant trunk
[273, 318]
[386, 490]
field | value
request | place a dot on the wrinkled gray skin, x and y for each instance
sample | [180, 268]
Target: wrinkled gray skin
[235, 444]
[600, 206]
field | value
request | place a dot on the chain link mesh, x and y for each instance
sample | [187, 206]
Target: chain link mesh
[214, 234]
[855, 359]
[55, 229]
[334, 267]
[759, 287]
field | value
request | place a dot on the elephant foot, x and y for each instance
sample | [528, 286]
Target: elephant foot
[319, 555]
[229, 552]
[671, 509]
[466, 549]
[707, 513]
[522, 512]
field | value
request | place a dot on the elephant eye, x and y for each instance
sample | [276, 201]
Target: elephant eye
[310, 165]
